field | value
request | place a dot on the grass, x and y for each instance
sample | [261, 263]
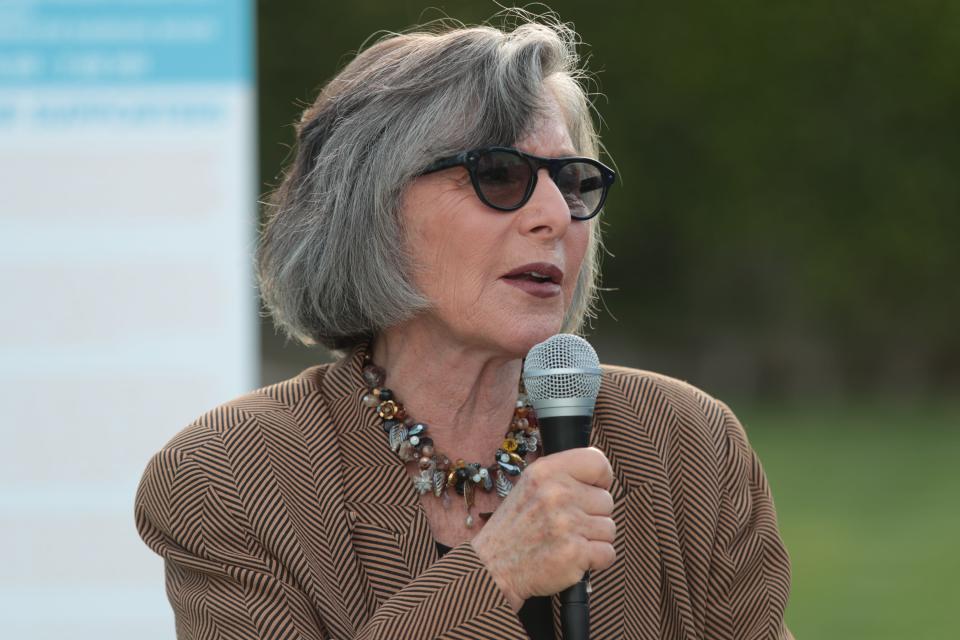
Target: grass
[868, 499]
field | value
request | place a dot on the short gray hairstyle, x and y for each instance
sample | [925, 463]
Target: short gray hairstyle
[331, 264]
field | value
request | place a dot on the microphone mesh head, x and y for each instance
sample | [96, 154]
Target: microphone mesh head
[560, 352]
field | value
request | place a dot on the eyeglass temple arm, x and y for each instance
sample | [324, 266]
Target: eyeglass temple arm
[445, 163]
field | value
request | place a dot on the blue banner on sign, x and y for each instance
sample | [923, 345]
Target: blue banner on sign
[126, 42]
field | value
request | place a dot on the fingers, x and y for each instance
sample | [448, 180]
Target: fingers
[601, 554]
[595, 470]
[588, 465]
[554, 479]
[565, 499]
[594, 501]
[600, 529]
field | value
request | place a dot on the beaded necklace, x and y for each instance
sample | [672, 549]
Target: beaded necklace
[408, 438]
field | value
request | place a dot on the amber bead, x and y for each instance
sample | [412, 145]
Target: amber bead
[425, 462]
[407, 452]
[522, 412]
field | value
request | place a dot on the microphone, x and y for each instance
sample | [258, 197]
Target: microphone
[562, 379]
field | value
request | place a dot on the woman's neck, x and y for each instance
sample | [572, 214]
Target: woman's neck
[465, 394]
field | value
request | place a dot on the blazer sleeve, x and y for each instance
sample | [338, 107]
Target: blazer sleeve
[219, 581]
[222, 583]
[455, 598]
[750, 572]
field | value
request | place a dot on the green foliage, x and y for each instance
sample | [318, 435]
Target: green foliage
[788, 189]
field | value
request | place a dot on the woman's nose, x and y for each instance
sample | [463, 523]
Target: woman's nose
[547, 213]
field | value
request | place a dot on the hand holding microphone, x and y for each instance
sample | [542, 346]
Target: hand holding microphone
[556, 525]
[553, 527]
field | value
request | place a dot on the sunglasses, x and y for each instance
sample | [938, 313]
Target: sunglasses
[505, 178]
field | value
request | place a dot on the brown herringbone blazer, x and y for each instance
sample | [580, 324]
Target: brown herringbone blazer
[284, 514]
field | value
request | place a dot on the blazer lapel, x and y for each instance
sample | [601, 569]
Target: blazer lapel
[629, 427]
[624, 597]
[390, 533]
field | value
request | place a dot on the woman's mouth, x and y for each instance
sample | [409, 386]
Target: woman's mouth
[539, 279]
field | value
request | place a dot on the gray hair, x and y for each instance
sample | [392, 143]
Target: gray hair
[331, 263]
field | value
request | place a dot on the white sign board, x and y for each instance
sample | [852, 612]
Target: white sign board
[127, 222]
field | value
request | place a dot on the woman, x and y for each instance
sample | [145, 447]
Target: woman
[438, 221]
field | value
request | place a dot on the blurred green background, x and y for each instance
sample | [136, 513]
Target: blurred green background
[783, 235]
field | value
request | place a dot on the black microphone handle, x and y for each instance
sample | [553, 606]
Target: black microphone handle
[560, 433]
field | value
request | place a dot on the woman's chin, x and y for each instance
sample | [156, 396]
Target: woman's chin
[505, 332]
[522, 336]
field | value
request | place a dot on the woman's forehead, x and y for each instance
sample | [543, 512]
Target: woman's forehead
[549, 134]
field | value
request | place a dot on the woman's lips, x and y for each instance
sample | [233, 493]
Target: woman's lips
[539, 279]
[538, 271]
[539, 289]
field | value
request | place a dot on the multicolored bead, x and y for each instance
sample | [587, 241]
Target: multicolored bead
[503, 485]
[398, 433]
[407, 452]
[512, 469]
[417, 429]
[374, 376]
[486, 480]
[388, 425]
[423, 482]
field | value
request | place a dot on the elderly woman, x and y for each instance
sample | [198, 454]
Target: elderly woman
[439, 219]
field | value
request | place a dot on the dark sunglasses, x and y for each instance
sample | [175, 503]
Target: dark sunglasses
[505, 178]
